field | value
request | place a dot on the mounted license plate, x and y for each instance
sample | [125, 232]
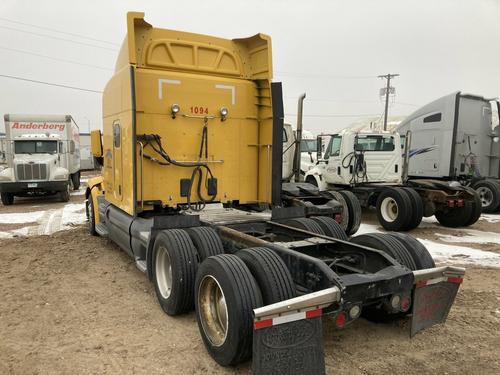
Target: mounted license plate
[32, 185]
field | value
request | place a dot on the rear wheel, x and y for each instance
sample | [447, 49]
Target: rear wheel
[417, 208]
[418, 251]
[389, 245]
[207, 241]
[330, 227]
[489, 194]
[345, 209]
[305, 224]
[7, 198]
[226, 294]
[394, 209]
[272, 275]
[455, 217]
[476, 207]
[174, 270]
[354, 208]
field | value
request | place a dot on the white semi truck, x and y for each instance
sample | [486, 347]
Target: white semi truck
[452, 138]
[43, 156]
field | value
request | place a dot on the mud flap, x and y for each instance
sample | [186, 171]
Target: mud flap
[295, 347]
[432, 301]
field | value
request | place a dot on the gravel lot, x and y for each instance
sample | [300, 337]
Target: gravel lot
[72, 303]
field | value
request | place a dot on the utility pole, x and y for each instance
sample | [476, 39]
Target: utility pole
[387, 91]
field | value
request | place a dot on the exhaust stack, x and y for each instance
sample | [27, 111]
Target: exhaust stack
[298, 138]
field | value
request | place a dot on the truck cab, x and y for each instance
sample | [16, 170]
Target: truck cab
[357, 157]
[42, 157]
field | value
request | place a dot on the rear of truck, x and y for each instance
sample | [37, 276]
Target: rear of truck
[192, 155]
[42, 156]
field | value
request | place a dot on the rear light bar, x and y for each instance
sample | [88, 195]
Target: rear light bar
[455, 203]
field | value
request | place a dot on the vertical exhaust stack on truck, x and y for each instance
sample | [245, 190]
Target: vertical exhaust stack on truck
[43, 156]
[191, 190]
[453, 140]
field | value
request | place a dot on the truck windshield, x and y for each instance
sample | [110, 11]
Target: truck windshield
[376, 142]
[35, 147]
[308, 145]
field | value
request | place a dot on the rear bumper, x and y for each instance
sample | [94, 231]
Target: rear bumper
[29, 187]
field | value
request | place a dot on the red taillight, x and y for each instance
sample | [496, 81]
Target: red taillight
[451, 204]
[405, 304]
[460, 203]
[340, 319]
[338, 218]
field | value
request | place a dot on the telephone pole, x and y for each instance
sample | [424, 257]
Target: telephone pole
[388, 88]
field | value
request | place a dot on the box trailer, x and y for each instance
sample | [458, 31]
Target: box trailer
[42, 155]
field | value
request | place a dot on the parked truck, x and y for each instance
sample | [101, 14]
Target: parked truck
[370, 165]
[43, 156]
[191, 189]
[452, 139]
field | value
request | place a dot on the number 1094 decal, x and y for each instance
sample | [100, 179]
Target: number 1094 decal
[199, 110]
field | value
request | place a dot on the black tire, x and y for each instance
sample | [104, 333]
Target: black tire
[388, 244]
[489, 194]
[311, 180]
[75, 178]
[89, 206]
[417, 208]
[394, 202]
[270, 272]
[65, 194]
[241, 294]
[305, 224]
[175, 247]
[206, 241]
[476, 207]
[418, 251]
[345, 209]
[455, 217]
[330, 227]
[7, 199]
[354, 208]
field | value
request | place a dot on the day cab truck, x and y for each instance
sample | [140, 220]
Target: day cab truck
[191, 190]
[370, 164]
[453, 139]
[43, 156]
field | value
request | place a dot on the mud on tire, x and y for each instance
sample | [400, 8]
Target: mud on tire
[226, 294]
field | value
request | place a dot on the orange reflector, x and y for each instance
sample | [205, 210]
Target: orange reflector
[456, 280]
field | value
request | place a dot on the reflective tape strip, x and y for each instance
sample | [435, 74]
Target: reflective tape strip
[422, 283]
[259, 324]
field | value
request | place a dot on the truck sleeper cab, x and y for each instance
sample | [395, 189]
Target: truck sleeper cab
[250, 266]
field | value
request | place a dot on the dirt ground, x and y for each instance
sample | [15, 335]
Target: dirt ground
[75, 304]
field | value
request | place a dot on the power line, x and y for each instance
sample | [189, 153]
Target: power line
[55, 58]
[57, 38]
[50, 83]
[349, 101]
[294, 74]
[336, 115]
[388, 88]
[59, 31]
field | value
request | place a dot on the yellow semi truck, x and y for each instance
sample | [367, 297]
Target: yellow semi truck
[191, 189]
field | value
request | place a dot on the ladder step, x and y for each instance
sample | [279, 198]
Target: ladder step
[101, 230]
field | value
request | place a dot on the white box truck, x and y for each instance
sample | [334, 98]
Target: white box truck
[43, 156]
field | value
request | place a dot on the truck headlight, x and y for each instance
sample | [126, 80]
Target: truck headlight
[174, 109]
[223, 113]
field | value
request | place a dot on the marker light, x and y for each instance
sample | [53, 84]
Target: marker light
[174, 109]
[395, 301]
[354, 312]
[223, 113]
[340, 319]
[496, 139]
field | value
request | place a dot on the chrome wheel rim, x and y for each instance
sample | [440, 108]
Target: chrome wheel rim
[389, 209]
[163, 268]
[486, 196]
[212, 310]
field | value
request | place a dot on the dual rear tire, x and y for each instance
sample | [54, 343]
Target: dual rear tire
[399, 209]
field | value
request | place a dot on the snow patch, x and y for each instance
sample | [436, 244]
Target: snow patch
[444, 253]
[472, 236]
[490, 218]
[21, 217]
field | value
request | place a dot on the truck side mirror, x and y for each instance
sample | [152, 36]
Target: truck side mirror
[319, 148]
[96, 143]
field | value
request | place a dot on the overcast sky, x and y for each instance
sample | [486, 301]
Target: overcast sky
[333, 50]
